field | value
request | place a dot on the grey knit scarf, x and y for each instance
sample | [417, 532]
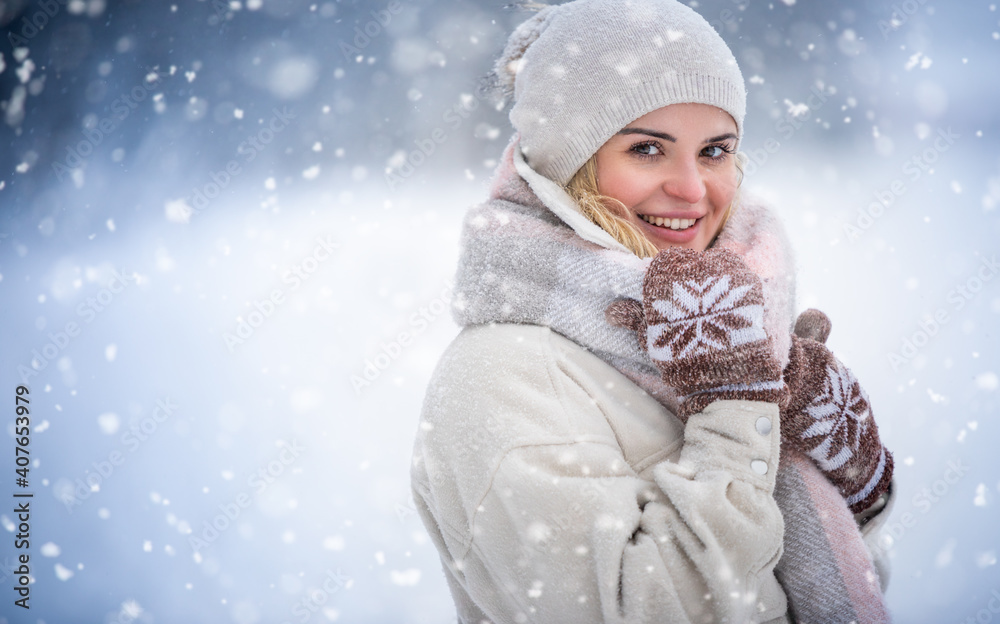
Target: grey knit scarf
[521, 263]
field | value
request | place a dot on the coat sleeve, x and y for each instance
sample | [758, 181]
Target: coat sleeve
[561, 529]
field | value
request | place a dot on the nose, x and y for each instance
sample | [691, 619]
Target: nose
[684, 181]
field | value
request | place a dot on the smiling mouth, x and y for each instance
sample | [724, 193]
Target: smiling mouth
[673, 224]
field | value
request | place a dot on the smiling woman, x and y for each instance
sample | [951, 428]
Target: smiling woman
[672, 175]
[631, 426]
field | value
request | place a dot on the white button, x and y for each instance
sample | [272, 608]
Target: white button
[763, 425]
[759, 466]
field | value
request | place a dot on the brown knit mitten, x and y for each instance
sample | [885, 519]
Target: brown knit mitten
[702, 322]
[829, 417]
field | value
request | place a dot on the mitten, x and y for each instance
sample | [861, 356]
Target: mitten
[828, 417]
[702, 322]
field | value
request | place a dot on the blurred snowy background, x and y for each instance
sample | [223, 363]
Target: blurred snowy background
[216, 219]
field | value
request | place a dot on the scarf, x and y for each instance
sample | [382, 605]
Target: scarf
[529, 256]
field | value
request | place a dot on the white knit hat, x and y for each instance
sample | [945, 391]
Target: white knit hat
[583, 70]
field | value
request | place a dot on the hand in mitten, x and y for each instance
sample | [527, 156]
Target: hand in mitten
[829, 417]
[702, 322]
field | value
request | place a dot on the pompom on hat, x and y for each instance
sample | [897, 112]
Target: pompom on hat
[579, 72]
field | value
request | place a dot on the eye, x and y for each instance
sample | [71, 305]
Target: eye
[718, 151]
[646, 149]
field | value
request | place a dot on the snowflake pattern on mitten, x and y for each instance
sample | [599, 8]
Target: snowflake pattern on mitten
[841, 413]
[705, 315]
[829, 417]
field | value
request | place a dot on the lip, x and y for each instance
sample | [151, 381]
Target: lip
[672, 237]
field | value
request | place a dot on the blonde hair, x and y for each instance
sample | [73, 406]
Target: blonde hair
[613, 216]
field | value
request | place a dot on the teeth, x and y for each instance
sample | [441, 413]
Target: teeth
[673, 224]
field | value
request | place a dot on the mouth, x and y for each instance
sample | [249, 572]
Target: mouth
[671, 224]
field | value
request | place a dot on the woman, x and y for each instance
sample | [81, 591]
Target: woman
[626, 429]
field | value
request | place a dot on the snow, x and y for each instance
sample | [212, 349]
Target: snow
[980, 500]
[987, 381]
[108, 423]
[334, 542]
[293, 77]
[405, 578]
[178, 211]
[986, 559]
[49, 549]
[207, 270]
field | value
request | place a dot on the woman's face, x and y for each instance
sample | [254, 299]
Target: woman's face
[676, 166]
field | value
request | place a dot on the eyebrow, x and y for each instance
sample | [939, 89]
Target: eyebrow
[667, 137]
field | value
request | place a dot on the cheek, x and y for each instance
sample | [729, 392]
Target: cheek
[722, 189]
[624, 184]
